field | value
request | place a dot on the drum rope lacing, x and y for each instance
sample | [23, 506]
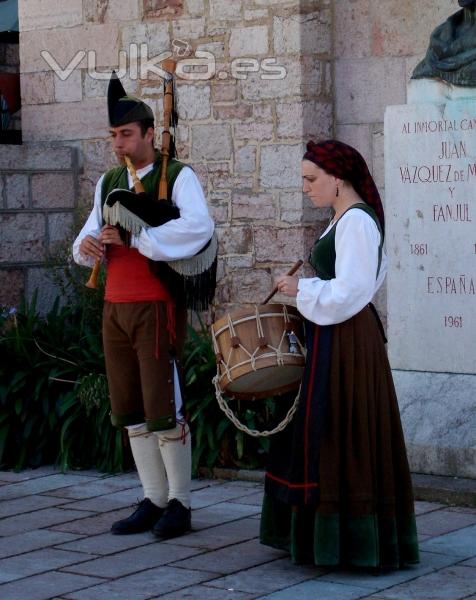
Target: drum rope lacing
[276, 351]
[222, 403]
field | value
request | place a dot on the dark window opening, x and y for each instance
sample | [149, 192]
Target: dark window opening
[10, 99]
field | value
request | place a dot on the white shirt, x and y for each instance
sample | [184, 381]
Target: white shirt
[176, 239]
[357, 240]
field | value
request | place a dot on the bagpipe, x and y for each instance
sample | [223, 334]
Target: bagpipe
[191, 281]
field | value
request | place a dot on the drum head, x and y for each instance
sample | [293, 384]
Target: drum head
[266, 380]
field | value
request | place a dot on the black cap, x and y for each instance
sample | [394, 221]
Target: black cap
[122, 108]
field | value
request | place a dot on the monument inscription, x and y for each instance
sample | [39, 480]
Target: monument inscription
[430, 152]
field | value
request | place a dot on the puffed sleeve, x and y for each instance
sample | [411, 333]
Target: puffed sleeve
[91, 227]
[185, 236]
[329, 302]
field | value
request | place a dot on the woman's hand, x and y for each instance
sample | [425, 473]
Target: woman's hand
[110, 235]
[288, 285]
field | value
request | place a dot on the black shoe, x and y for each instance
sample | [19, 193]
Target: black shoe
[175, 521]
[142, 519]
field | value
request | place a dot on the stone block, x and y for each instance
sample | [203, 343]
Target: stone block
[63, 46]
[194, 101]
[195, 8]
[278, 244]
[23, 238]
[211, 142]
[12, 289]
[358, 136]
[155, 35]
[225, 10]
[224, 92]
[303, 34]
[454, 544]
[280, 166]
[254, 131]
[230, 112]
[47, 516]
[294, 208]
[44, 14]
[263, 111]
[353, 29]
[71, 89]
[440, 439]
[59, 228]
[377, 165]
[37, 156]
[52, 190]
[382, 80]
[440, 522]
[97, 155]
[46, 586]
[255, 14]
[163, 8]
[189, 29]
[17, 193]
[37, 88]
[249, 41]
[306, 120]
[295, 76]
[253, 207]
[235, 240]
[65, 121]
[98, 11]
[33, 540]
[245, 159]
[215, 48]
[402, 30]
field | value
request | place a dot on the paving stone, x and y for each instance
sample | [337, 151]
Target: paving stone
[458, 543]
[27, 504]
[222, 535]
[223, 512]
[422, 507]
[108, 502]
[317, 588]
[218, 494]
[451, 583]
[268, 578]
[443, 521]
[231, 559]
[199, 592]
[40, 484]
[109, 544]
[143, 585]
[428, 562]
[255, 499]
[47, 585]
[93, 525]
[39, 561]
[469, 563]
[133, 560]
[40, 518]
[33, 540]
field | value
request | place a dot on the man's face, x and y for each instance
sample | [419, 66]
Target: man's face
[467, 3]
[128, 140]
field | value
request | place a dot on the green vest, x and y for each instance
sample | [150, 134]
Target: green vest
[117, 178]
[323, 254]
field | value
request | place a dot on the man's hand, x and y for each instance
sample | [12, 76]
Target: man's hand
[110, 235]
[90, 247]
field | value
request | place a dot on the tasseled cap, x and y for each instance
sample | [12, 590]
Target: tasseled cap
[122, 108]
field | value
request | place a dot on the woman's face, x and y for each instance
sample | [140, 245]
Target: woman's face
[318, 185]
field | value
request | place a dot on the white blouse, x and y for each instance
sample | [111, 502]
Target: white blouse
[176, 239]
[357, 240]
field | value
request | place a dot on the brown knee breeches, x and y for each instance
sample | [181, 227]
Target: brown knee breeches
[139, 349]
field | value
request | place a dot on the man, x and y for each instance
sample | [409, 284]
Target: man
[143, 326]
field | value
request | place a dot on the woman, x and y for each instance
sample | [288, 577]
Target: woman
[338, 488]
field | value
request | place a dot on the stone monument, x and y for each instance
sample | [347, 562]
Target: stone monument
[430, 183]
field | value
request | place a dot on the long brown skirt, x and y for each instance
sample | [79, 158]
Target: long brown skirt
[338, 489]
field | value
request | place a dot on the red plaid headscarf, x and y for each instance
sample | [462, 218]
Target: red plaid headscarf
[344, 162]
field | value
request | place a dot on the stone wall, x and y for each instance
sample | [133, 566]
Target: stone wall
[244, 136]
[376, 47]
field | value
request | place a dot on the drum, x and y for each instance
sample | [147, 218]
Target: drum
[259, 351]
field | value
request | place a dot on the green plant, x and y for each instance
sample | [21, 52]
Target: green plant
[215, 440]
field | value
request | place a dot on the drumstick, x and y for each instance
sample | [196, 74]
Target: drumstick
[291, 271]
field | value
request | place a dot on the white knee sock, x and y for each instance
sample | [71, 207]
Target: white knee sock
[150, 466]
[176, 449]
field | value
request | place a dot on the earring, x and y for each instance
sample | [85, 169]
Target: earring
[337, 191]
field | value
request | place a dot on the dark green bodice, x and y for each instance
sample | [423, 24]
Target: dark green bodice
[323, 254]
